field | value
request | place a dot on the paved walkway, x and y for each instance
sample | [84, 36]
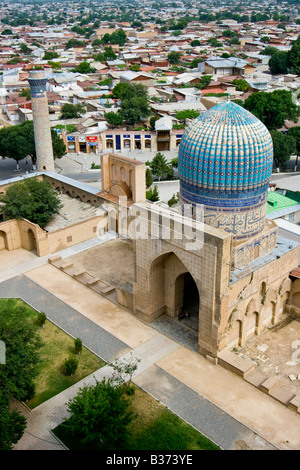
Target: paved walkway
[220, 404]
[19, 261]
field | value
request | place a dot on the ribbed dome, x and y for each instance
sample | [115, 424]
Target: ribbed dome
[226, 151]
[225, 164]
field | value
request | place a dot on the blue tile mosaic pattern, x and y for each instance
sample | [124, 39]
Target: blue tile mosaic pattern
[227, 153]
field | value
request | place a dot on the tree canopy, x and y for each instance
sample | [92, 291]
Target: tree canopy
[72, 111]
[50, 55]
[17, 142]
[160, 167]
[273, 108]
[22, 343]
[295, 132]
[187, 114]
[278, 62]
[115, 119]
[117, 37]
[100, 414]
[12, 424]
[31, 199]
[84, 67]
[204, 82]
[174, 57]
[269, 50]
[284, 146]
[283, 62]
[73, 42]
[294, 57]
[134, 104]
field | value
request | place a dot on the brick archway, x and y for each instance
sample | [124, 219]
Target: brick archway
[3, 240]
[167, 246]
[168, 283]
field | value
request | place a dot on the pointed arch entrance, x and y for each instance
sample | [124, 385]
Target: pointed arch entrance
[188, 299]
[31, 240]
[3, 240]
[173, 289]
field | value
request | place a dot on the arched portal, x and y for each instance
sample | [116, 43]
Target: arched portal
[187, 297]
[3, 240]
[173, 289]
[31, 240]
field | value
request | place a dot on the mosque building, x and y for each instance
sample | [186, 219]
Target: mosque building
[236, 280]
[239, 281]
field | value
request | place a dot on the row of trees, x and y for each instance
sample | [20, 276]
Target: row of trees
[22, 343]
[99, 414]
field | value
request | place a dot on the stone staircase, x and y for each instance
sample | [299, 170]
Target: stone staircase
[247, 369]
[83, 277]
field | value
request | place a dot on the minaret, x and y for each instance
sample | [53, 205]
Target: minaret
[41, 123]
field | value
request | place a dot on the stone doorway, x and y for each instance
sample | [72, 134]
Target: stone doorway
[31, 241]
[3, 241]
[189, 300]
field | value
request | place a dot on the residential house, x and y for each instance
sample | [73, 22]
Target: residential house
[230, 66]
[136, 77]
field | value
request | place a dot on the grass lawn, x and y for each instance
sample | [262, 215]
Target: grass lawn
[154, 428]
[57, 346]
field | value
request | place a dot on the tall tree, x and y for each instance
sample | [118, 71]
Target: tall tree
[22, 342]
[284, 146]
[294, 57]
[58, 146]
[84, 67]
[273, 108]
[174, 57]
[17, 142]
[295, 132]
[279, 63]
[115, 119]
[12, 424]
[160, 167]
[134, 103]
[100, 415]
[135, 108]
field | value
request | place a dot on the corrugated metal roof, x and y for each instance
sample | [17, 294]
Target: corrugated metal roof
[277, 201]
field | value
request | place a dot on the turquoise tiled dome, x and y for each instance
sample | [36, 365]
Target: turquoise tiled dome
[227, 152]
[225, 164]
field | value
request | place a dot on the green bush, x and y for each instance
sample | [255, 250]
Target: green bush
[70, 366]
[41, 318]
[78, 345]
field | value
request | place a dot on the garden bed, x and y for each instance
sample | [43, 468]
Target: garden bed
[154, 428]
[57, 346]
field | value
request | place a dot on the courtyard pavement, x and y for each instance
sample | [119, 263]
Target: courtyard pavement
[229, 411]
